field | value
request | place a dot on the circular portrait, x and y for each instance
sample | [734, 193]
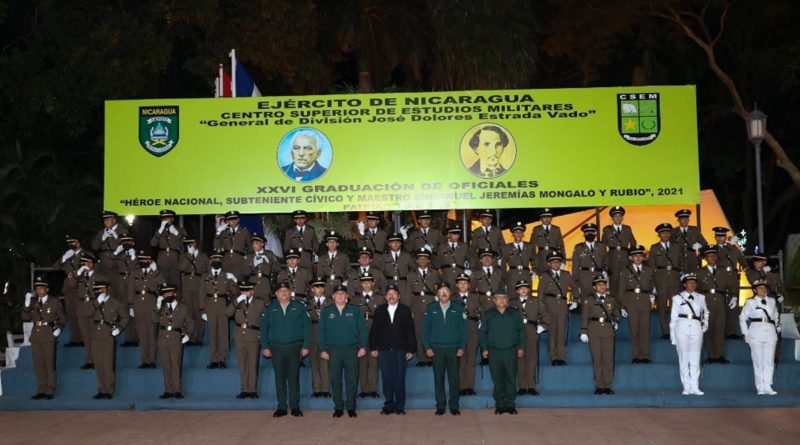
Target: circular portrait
[488, 150]
[304, 154]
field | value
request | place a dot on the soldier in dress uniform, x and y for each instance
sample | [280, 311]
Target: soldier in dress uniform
[396, 265]
[87, 277]
[531, 310]
[168, 239]
[425, 236]
[175, 322]
[554, 286]
[295, 274]
[721, 293]
[125, 257]
[619, 239]
[589, 258]
[246, 313]
[302, 238]
[219, 287]
[70, 262]
[142, 294]
[761, 272]
[518, 257]
[262, 267]
[333, 264]
[600, 318]
[666, 259]
[472, 314]
[488, 279]
[367, 298]
[193, 264]
[105, 244]
[366, 266]
[688, 322]
[370, 235]
[317, 301]
[452, 256]
[689, 240]
[445, 338]
[502, 339]
[109, 319]
[760, 323]
[234, 240]
[422, 282]
[636, 284]
[730, 260]
[487, 236]
[48, 318]
[546, 238]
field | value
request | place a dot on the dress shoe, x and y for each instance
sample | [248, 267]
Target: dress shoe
[374, 394]
[554, 363]
[253, 395]
[297, 413]
[88, 366]
[338, 413]
[484, 361]
[222, 365]
[439, 412]
[608, 391]
[709, 360]
[325, 394]
[166, 395]
[429, 364]
[462, 392]
[37, 396]
[533, 391]
[362, 395]
[279, 413]
[733, 337]
[562, 363]
[769, 391]
[386, 412]
[455, 412]
[646, 361]
[471, 392]
[99, 396]
[598, 391]
[400, 412]
[723, 361]
[499, 411]
[242, 395]
[178, 395]
[351, 413]
[635, 361]
[512, 411]
[129, 344]
[697, 392]
[48, 397]
[315, 395]
[72, 344]
[522, 392]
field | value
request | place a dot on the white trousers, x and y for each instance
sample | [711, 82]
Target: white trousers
[689, 339]
[762, 349]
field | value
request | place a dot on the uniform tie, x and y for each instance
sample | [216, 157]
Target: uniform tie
[519, 248]
[489, 273]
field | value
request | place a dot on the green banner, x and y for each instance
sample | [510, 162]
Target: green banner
[445, 150]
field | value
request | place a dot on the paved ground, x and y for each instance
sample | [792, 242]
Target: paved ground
[770, 426]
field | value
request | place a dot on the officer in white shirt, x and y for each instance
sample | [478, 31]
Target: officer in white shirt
[688, 322]
[760, 324]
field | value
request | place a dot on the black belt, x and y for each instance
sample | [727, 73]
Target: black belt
[144, 292]
[170, 328]
[689, 316]
[591, 269]
[665, 268]
[474, 318]
[314, 321]
[518, 268]
[107, 323]
[446, 266]
[193, 273]
[554, 296]
[217, 295]
[599, 319]
[246, 326]
[231, 251]
[640, 290]
[296, 295]
[334, 277]
[762, 320]
[395, 278]
[169, 250]
[42, 323]
[422, 294]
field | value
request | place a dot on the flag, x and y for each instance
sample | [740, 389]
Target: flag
[222, 84]
[242, 84]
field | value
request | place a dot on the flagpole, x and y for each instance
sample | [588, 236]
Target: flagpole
[221, 81]
[233, 72]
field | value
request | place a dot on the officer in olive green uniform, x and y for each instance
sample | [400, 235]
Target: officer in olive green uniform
[370, 235]
[546, 238]
[168, 239]
[488, 279]
[619, 239]
[452, 256]
[599, 320]
[366, 266]
[425, 237]
[105, 244]
[70, 262]
[689, 240]
[531, 310]
[487, 236]
[109, 319]
[333, 264]
[396, 265]
[667, 260]
[193, 264]
[262, 267]
[219, 286]
[588, 259]
[730, 260]
[502, 339]
[472, 315]
[554, 287]
[145, 281]
[721, 293]
[444, 336]
[286, 337]
[316, 302]
[761, 272]
[301, 238]
[234, 241]
[87, 277]
[174, 323]
[295, 274]
[246, 312]
[125, 257]
[518, 257]
[422, 282]
[343, 340]
[48, 318]
[368, 299]
[636, 284]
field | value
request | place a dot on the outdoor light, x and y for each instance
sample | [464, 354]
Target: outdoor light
[130, 219]
[756, 127]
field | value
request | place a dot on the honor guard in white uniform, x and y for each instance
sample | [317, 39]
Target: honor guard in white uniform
[688, 322]
[760, 323]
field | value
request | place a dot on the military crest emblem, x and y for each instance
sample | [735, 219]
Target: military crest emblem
[158, 129]
[638, 117]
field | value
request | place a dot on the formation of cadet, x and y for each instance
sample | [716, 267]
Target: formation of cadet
[173, 296]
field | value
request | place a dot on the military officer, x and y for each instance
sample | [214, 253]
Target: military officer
[422, 282]
[636, 284]
[589, 258]
[370, 235]
[343, 340]
[218, 287]
[472, 314]
[48, 318]
[87, 277]
[366, 265]
[721, 293]
[368, 299]
[619, 239]
[667, 261]
[546, 238]
[125, 257]
[502, 340]
[333, 264]
[444, 336]
[169, 241]
[295, 274]
[285, 338]
[600, 318]
[193, 264]
[105, 243]
[760, 323]
[554, 287]
[487, 236]
[452, 256]
[262, 267]
[145, 281]
[688, 322]
[396, 265]
[246, 313]
[688, 239]
[174, 322]
[425, 236]
[518, 257]
[70, 262]
[109, 319]
[761, 272]
[730, 261]
[301, 238]
[531, 310]
[317, 301]
[488, 279]
[234, 241]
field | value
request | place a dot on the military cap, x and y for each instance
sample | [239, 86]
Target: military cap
[442, 285]
[283, 285]
[424, 214]
[518, 227]
[709, 249]
[758, 283]
[664, 227]
[462, 277]
[522, 283]
[454, 228]
[87, 257]
[599, 279]
[216, 254]
[71, 239]
[392, 286]
[683, 213]
[545, 212]
[366, 276]
[166, 213]
[691, 276]
[487, 212]
[422, 252]
[233, 214]
[486, 251]
[589, 227]
[99, 284]
[758, 256]
[720, 231]
[291, 253]
[109, 214]
[299, 214]
[554, 255]
[616, 210]
[331, 235]
[40, 282]
[501, 295]
[319, 281]
[394, 237]
[126, 237]
[339, 288]
[247, 285]
[165, 287]
[373, 215]
[636, 249]
[364, 250]
[258, 237]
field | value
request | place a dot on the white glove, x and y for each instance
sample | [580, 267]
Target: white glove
[524, 320]
[204, 317]
[115, 332]
[767, 269]
[221, 228]
[316, 258]
[705, 326]
[230, 276]
[428, 247]
[573, 306]
[539, 329]
[499, 261]
[191, 250]
[778, 329]
[652, 299]
[153, 267]
[118, 250]
[468, 272]
[240, 299]
[732, 303]
[185, 339]
[584, 338]
[163, 224]
[672, 339]
[56, 332]
[735, 239]
[28, 298]
[159, 302]
[132, 253]
[67, 255]
[605, 275]
[81, 270]
[404, 232]
[533, 276]
[654, 292]
[105, 235]
[173, 230]
[562, 267]
[616, 326]
[130, 312]
[362, 228]
[696, 246]
[114, 234]
[624, 313]
[747, 338]
[780, 299]
[344, 283]
[258, 259]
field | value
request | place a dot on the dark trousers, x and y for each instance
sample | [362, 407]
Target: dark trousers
[393, 372]
[445, 362]
[344, 361]
[286, 363]
[503, 368]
